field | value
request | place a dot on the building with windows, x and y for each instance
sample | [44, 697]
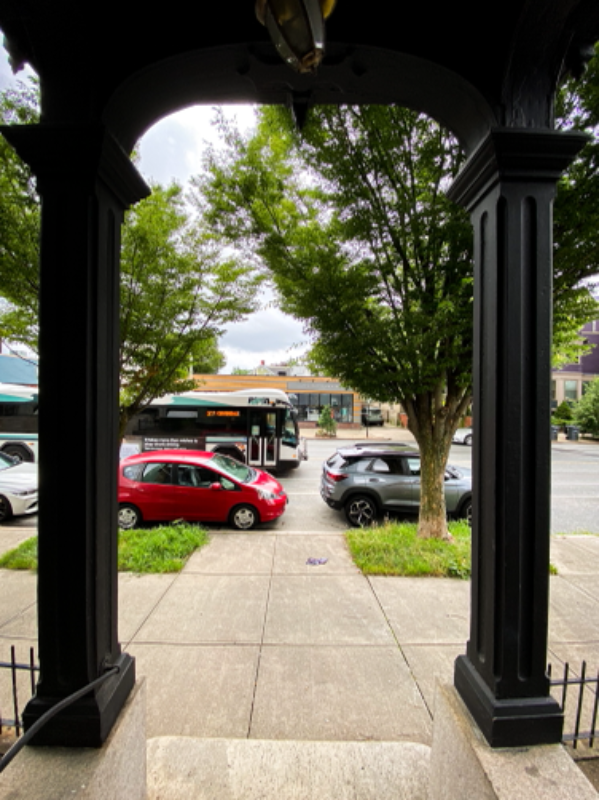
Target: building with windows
[310, 393]
[569, 382]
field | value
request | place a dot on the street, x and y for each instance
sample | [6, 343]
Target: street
[575, 487]
[574, 506]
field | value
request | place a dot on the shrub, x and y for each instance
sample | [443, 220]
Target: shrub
[326, 422]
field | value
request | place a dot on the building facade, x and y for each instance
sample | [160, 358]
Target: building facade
[310, 394]
[569, 383]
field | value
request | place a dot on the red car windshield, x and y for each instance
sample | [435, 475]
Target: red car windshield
[234, 468]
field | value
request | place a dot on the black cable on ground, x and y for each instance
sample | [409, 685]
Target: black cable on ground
[67, 701]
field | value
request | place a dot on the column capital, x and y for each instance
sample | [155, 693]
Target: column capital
[515, 155]
[62, 155]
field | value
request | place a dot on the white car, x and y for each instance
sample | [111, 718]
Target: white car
[18, 487]
[463, 436]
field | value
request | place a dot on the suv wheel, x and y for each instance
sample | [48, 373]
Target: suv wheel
[361, 511]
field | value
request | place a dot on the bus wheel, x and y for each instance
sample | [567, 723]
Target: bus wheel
[129, 517]
[243, 517]
[5, 509]
[16, 451]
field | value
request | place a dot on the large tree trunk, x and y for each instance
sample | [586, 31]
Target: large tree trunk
[433, 418]
[432, 520]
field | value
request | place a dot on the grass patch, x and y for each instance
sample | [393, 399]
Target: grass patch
[22, 557]
[395, 549]
[165, 548]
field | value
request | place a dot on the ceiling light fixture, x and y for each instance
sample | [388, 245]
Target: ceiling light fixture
[297, 29]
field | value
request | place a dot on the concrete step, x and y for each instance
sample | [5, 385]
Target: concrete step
[181, 768]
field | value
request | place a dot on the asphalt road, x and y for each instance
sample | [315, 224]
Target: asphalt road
[574, 506]
[575, 488]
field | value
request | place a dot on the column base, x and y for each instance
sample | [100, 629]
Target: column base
[88, 721]
[463, 765]
[517, 722]
[116, 770]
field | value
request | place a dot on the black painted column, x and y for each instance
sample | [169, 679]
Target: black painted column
[85, 181]
[508, 185]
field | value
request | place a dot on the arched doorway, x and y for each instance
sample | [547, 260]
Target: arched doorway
[468, 80]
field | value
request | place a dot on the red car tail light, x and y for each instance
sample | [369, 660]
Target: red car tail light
[336, 476]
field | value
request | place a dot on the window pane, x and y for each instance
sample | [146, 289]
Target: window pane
[157, 473]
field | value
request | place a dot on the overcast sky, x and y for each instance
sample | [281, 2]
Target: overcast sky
[172, 150]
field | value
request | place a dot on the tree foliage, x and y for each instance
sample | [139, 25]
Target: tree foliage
[178, 291]
[576, 219]
[352, 222]
[19, 225]
[326, 422]
[363, 245]
[586, 410]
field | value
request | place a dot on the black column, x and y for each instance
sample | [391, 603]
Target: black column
[85, 181]
[508, 186]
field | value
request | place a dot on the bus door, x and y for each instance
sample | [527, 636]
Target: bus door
[262, 439]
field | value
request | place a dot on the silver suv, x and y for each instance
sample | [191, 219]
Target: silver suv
[365, 482]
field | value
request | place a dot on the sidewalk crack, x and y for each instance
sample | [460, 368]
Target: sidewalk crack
[261, 646]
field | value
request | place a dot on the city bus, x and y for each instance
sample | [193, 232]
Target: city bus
[18, 421]
[256, 426]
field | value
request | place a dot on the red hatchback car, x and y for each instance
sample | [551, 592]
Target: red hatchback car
[194, 485]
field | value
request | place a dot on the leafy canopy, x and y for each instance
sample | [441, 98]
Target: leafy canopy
[576, 219]
[177, 294]
[362, 244]
[178, 290]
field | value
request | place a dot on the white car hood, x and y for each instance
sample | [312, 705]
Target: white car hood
[21, 476]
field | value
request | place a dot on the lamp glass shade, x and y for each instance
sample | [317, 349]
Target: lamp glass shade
[297, 30]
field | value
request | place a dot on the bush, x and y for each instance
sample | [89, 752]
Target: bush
[563, 414]
[326, 422]
[586, 411]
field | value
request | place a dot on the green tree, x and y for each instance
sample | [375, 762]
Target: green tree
[563, 413]
[177, 293]
[19, 225]
[363, 245]
[326, 422]
[586, 410]
[352, 223]
[177, 290]
[576, 219]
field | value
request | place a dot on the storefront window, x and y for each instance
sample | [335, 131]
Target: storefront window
[309, 406]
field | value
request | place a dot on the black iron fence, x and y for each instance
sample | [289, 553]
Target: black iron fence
[578, 696]
[17, 685]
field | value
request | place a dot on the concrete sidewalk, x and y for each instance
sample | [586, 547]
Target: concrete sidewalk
[250, 641]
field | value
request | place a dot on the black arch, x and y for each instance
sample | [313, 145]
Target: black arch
[350, 75]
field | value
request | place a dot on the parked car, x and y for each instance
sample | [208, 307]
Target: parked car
[463, 436]
[365, 483]
[18, 487]
[372, 416]
[196, 486]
